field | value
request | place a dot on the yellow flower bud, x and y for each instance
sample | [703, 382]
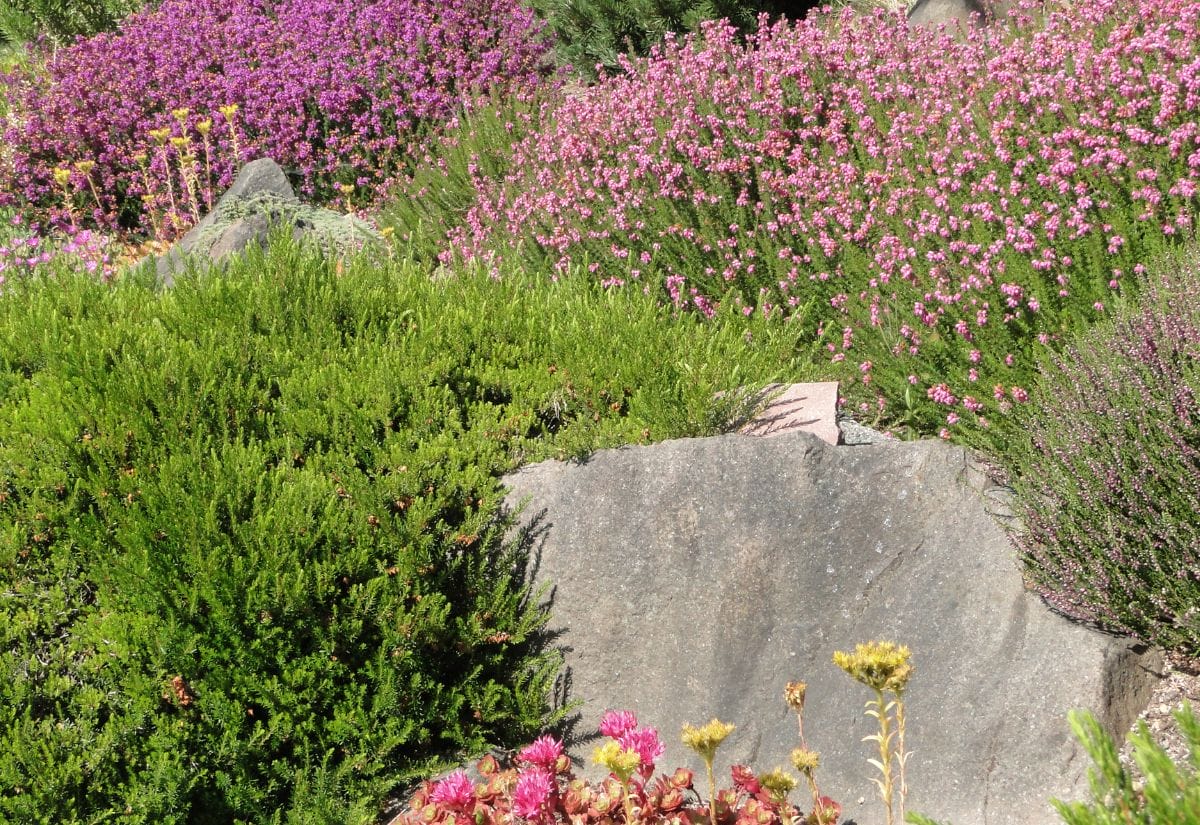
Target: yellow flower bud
[62, 176]
[86, 166]
[707, 739]
[618, 760]
[204, 126]
[229, 111]
[780, 784]
[805, 761]
[160, 135]
[878, 665]
[181, 114]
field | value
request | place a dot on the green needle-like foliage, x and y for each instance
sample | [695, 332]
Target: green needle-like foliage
[1168, 793]
[254, 565]
[598, 32]
[61, 20]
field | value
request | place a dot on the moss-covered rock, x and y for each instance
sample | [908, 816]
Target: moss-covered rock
[259, 202]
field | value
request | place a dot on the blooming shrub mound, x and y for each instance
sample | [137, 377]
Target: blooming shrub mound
[1109, 486]
[253, 560]
[25, 251]
[153, 119]
[943, 205]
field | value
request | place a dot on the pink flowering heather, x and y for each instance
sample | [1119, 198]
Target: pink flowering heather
[456, 792]
[24, 250]
[616, 723]
[1108, 484]
[543, 752]
[151, 120]
[531, 797]
[933, 205]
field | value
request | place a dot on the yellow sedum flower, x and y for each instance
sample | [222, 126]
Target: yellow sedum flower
[62, 176]
[878, 665]
[619, 761]
[229, 111]
[160, 135]
[806, 761]
[793, 694]
[86, 166]
[780, 784]
[181, 114]
[707, 739]
[204, 126]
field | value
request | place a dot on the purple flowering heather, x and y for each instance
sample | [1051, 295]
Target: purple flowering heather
[170, 105]
[1109, 488]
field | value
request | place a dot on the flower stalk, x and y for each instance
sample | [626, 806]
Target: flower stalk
[884, 668]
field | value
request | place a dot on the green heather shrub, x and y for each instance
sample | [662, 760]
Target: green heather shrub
[1167, 793]
[599, 32]
[22, 21]
[251, 548]
[1108, 482]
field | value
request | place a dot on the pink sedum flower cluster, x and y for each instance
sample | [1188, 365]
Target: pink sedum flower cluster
[541, 788]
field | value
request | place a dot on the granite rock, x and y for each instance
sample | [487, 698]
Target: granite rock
[260, 200]
[695, 578]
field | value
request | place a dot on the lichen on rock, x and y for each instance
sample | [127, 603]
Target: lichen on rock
[259, 201]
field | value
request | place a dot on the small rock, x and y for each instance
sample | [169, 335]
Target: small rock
[259, 200]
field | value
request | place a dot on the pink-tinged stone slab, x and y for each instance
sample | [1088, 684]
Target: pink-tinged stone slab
[810, 407]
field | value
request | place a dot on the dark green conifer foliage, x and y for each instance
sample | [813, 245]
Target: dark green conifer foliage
[61, 20]
[592, 32]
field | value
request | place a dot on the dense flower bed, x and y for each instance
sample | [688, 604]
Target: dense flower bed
[149, 121]
[942, 205]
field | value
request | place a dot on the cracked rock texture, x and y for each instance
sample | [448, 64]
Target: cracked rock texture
[695, 578]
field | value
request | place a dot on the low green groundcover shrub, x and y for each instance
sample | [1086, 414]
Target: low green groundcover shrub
[61, 20]
[252, 559]
[1108, 483]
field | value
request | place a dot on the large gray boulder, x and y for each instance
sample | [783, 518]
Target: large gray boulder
[933, 12]
[695, 578]
[260, 200]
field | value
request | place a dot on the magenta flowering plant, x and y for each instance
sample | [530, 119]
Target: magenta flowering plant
[541, 787]
[26, 248]
[940, 208]
[187, 90]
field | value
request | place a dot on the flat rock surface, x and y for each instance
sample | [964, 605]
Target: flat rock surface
[695, 578]
[809, 407]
